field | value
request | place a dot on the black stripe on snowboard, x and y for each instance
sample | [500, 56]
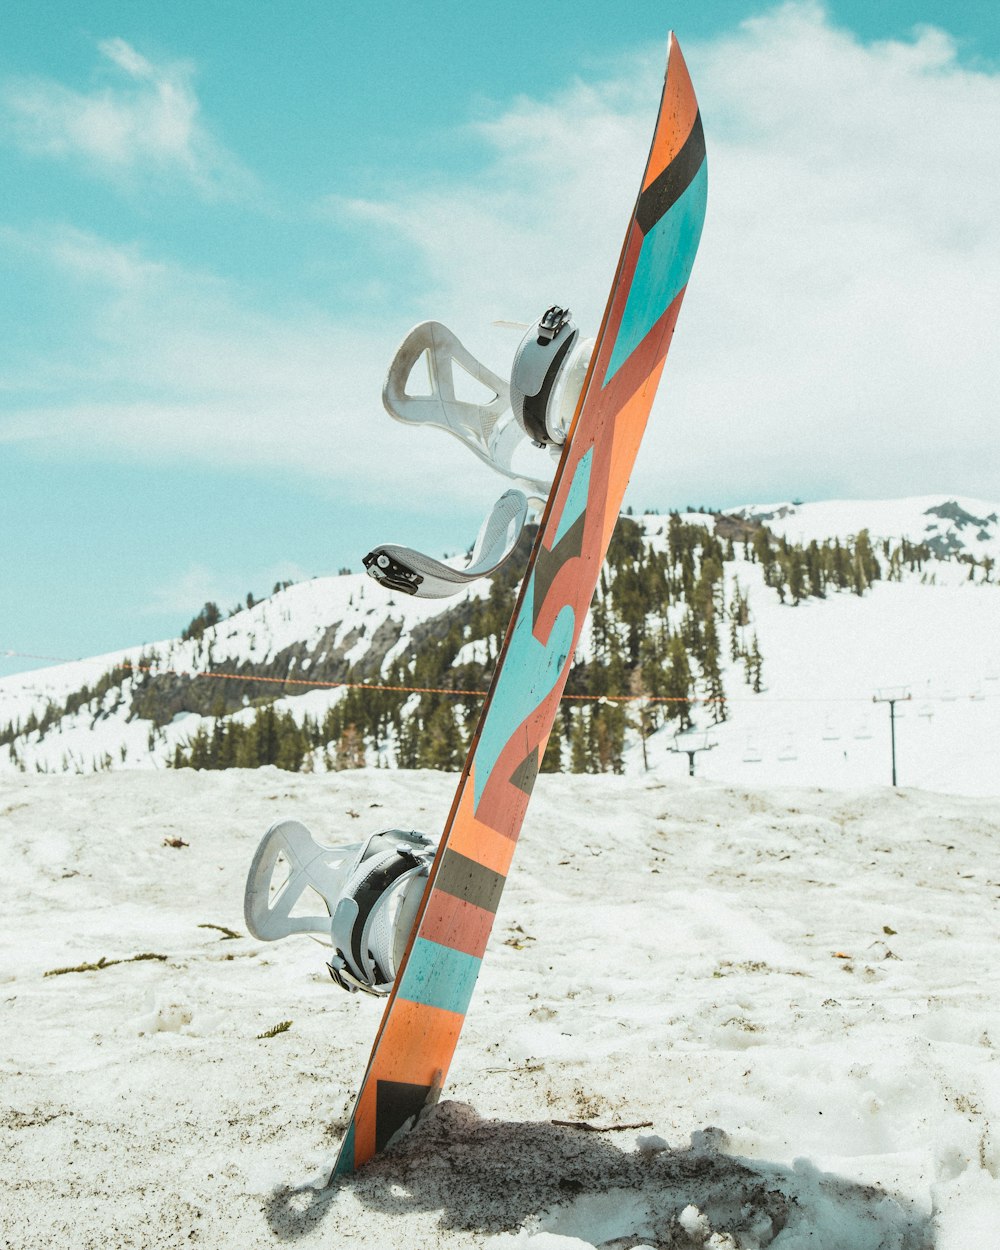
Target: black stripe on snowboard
[663, 192]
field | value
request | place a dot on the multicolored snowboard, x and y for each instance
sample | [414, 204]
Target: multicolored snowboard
[425, 1012]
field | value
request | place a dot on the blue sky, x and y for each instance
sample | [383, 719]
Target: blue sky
[218, 220]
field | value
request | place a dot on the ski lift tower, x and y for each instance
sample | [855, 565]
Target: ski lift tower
[893, 695]
[690, 743]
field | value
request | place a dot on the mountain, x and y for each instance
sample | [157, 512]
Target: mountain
[761, 635]
[949, 526]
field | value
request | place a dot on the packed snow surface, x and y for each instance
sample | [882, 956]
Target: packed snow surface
[776, 1006]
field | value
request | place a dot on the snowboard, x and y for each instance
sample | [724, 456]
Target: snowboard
[424, 1014]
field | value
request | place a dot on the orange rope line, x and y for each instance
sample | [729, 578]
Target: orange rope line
[371, 685]
[317, 683]
[27, 655]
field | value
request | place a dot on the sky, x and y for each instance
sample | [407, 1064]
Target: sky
[217, 221]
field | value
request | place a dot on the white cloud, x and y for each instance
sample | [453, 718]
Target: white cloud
[145, 121]
[198, 585]
[839, 333]
[838, 336]
[542, 221]
[172, 365]
[840, 321]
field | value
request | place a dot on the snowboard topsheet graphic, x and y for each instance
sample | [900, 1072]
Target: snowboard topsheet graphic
[425, 1012]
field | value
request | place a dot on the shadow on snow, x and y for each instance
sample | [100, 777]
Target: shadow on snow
[492, 1176]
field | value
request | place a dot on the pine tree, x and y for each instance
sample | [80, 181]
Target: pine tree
[815, 571]
[735, 650]
[865, 567]
[552, 756]
[441, 745]
[643, 714]
[677, 685]
[579, 742]
[712, 674]
[755, 670]
[608, 737]
[350, 752]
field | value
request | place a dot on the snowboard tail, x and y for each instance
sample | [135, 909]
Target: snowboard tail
[424, 1015]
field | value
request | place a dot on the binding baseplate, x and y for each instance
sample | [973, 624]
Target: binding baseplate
[369, 893]
[535, 408]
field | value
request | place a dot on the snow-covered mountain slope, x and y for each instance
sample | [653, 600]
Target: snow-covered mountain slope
[313, 630]
[948, 525]
[815, 723]
[319, 622]
[931, 627]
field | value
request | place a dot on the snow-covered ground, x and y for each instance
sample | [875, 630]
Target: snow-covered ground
[791, 993]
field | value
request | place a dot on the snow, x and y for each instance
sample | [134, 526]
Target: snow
[825, 660]
[918, 518]
[777, 1003]
[813, 724]
[934, 633]
[324, 614]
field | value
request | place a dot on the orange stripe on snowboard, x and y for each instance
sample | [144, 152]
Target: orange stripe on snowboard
[457, 923]
[420, 1042]
[470, 836]
[676, 119]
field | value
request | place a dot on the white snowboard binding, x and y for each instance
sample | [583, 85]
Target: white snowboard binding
[535, 408]
[369, 893]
